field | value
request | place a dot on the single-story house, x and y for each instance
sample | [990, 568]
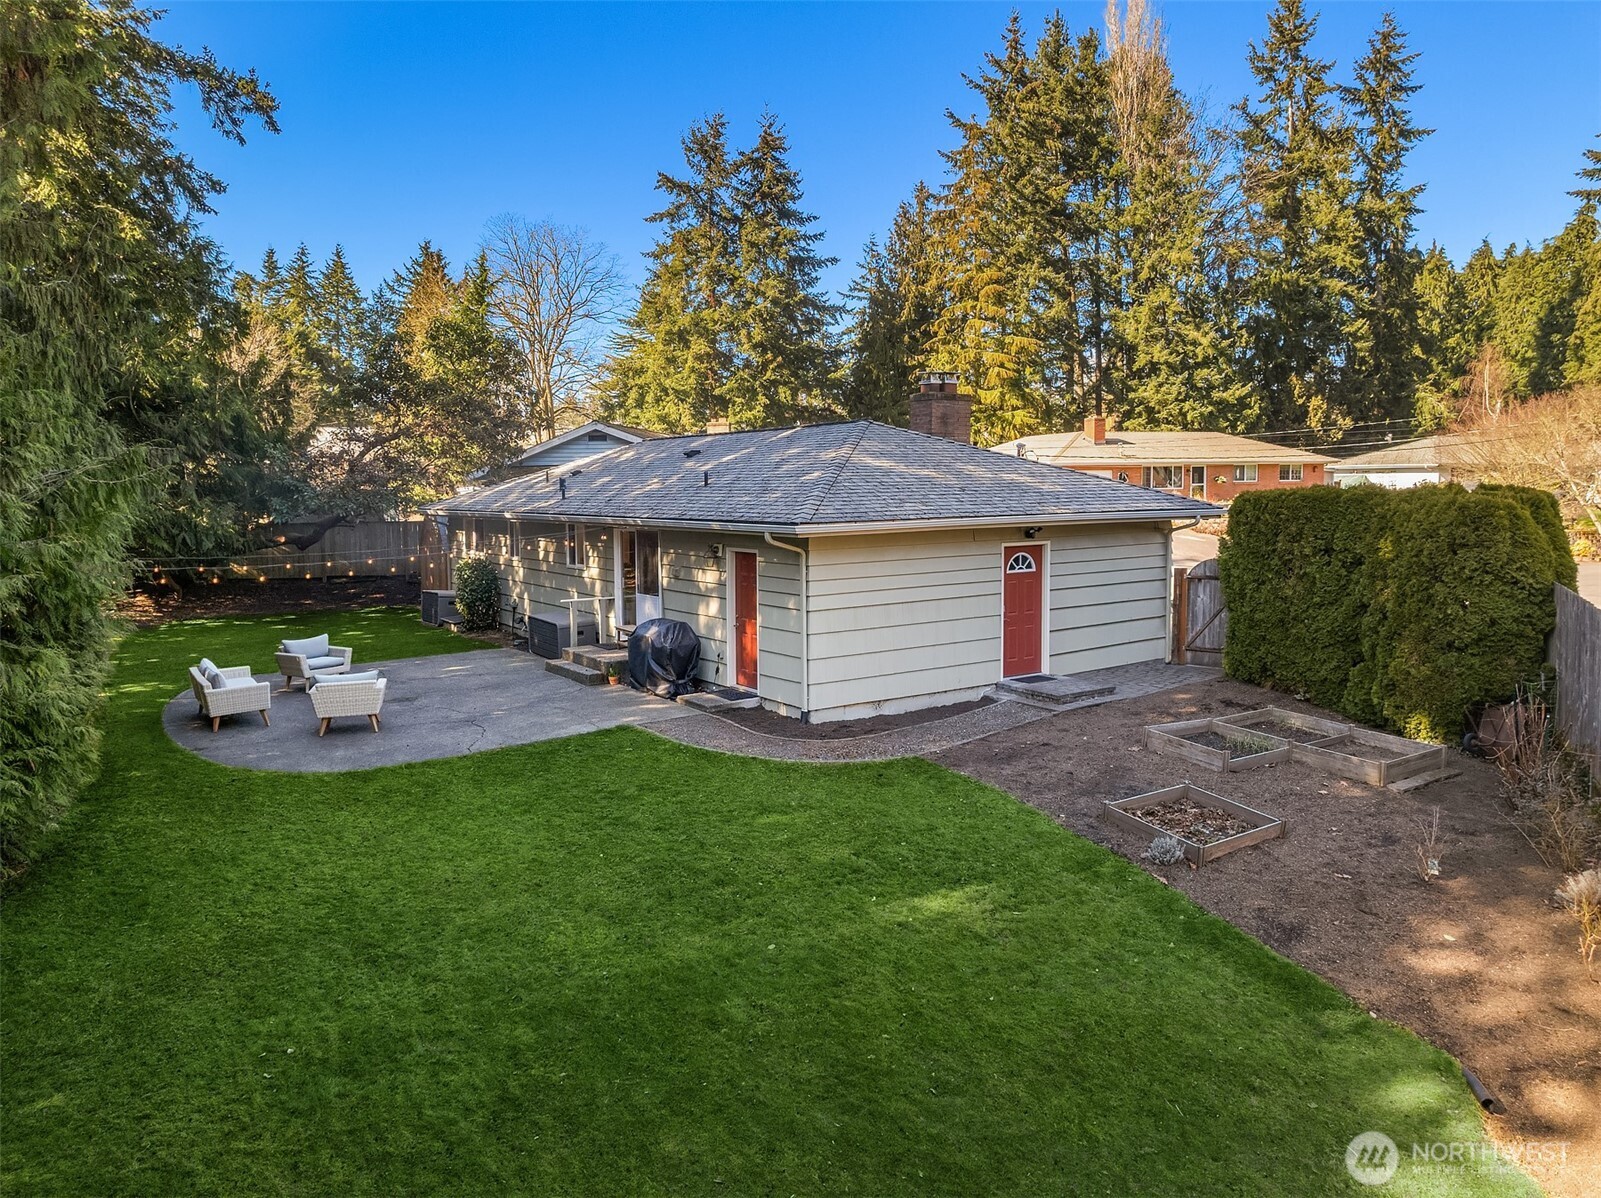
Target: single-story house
[1210, 466]
[1441, 458]
[574, 445]
[841, 570]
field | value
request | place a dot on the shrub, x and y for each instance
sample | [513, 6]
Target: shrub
[1396, 608]
[477, 594]
[1546, 513]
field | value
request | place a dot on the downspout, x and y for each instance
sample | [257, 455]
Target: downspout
[806, 647]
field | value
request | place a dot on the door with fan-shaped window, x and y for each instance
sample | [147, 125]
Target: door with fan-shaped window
[1022, 609]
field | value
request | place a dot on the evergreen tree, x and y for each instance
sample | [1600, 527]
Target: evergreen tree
[1297, 160]
[1387, 359]
[104, 274]
[339, 314]
[1590, 191]
[1176, 337]
[894, 305]
[783, 358]
[675, 354]
[1445, 341]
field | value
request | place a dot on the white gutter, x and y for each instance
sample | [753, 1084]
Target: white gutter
[827, 530]
[806, 645]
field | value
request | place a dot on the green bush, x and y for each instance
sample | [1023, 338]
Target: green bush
[1395, 608]
[1546, 512]
[477, 594]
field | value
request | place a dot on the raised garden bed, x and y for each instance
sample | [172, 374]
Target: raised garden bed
[1207, 825]
[1376, 758]
[1217, 745]
[1287, 725]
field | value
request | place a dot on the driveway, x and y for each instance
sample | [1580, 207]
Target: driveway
[433, 707]
[1590, 581]
[1191, 548]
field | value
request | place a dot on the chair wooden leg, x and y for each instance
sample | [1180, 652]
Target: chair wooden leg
[216, 722]
[264, 718]
[323, 727]
[289, 683]
[373, 720]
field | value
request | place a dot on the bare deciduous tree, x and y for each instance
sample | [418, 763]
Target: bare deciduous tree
[1552, 442]
[555, 292]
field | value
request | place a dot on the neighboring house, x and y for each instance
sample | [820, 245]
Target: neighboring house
[1442, 458]
[1211, 466]
[843, 570]
[574, 445]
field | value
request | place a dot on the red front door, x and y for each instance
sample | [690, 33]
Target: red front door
[1023, 609]
[745, 646]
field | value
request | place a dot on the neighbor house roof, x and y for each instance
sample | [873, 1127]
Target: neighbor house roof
[1426, 453]
[1122, 448]
[623, 432]
[853, 477]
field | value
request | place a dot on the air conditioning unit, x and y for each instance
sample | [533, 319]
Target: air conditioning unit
[549, 632]
[439, 607]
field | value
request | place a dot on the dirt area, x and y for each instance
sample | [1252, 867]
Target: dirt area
[1302, 736]
[758, 719]
[145, 608]
[1479, 961]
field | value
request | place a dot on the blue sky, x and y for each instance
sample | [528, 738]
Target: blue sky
[406, 121]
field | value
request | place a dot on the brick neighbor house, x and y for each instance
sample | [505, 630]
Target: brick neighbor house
[1214, 467]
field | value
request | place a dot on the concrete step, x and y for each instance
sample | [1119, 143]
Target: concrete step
[596, 657]
[1417, 781]
[712, 701]
[578, 673]
[1050, 690]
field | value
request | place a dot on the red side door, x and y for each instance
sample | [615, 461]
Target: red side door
[1022, 608]
[745, 643]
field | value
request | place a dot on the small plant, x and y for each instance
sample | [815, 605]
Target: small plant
[477, 594]
[614, 673]
[1165, 850]
[1580, 893]
[1428, 848]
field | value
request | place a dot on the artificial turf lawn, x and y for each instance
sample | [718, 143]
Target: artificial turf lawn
[615, 964]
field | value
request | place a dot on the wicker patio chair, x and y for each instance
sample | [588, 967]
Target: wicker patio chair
[313, 655]
[333, 697]
[238, 694]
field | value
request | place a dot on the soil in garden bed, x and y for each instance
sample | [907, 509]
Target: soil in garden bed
[1242, 745]
[758, 719]
[1193, 821]
[1479, 961]
[1285, 731]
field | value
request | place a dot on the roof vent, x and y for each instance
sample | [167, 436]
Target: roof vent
[705, 478]
[562, 483]
[691, 453]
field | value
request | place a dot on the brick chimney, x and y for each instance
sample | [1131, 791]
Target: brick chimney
[719, 424]
[1095, 429]
[939, 408]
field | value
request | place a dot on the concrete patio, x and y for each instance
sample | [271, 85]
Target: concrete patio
[442, 706]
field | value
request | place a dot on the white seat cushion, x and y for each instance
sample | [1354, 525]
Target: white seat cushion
[245, 681]
[311, 646]
[326, 679]
[324, 663]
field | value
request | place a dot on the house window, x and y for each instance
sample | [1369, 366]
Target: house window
[573, 538]
[1245, 474]
[1167, 478]
[1021, 563]
[595, 435]
[475, 535]
[1289, 474]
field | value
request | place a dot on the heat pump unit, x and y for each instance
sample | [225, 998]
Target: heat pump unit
[549, 632]
[439, 607]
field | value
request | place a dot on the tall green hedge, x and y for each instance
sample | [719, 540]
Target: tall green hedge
[1396, 608]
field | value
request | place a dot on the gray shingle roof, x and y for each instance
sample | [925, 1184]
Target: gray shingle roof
[1122, 447]
[816, 478]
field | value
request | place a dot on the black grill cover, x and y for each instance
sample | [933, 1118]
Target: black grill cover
[663, 656]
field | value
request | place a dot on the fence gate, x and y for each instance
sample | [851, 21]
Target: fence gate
[1200, 621]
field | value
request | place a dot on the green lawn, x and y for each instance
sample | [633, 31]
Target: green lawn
[617, 965]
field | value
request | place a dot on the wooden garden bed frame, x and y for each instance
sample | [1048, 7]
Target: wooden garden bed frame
[1170, 739]
[1342, 755]
[1291, 719]
[1119, 813]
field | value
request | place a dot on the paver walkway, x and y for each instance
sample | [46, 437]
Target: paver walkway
[937, 735]
[441, 706]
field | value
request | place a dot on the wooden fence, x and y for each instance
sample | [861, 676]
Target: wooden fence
[1576, 653]
[362, 549]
